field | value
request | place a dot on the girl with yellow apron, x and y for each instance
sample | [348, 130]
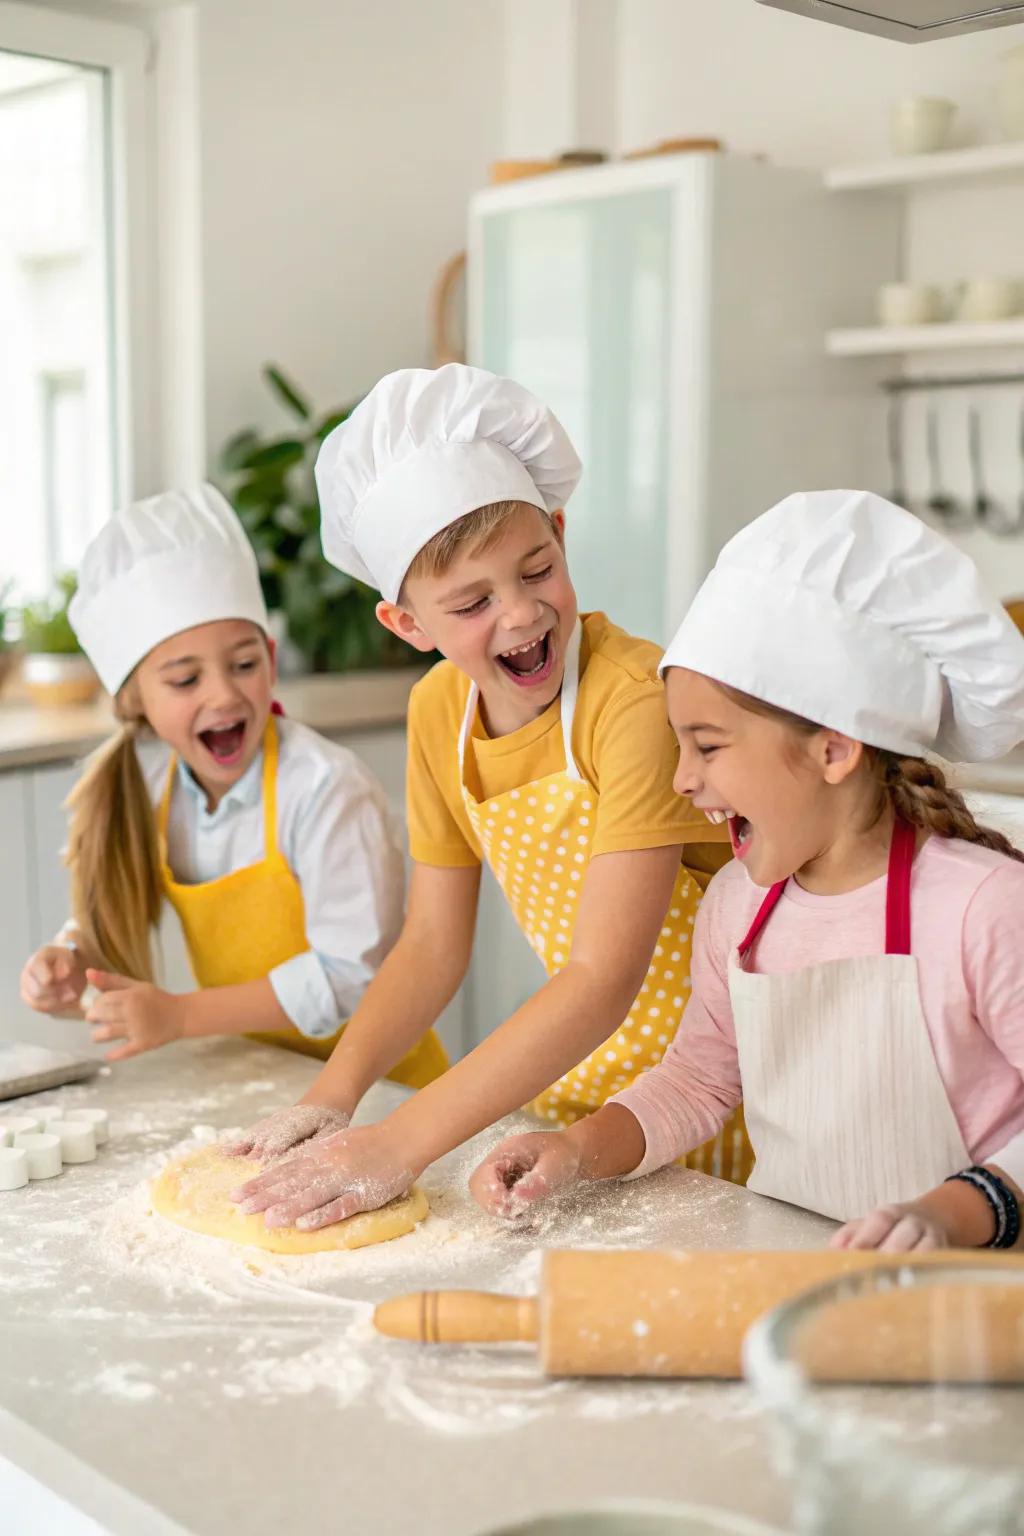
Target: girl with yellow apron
[248, 922]
[170, 611]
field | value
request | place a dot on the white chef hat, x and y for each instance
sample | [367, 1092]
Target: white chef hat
[423, 449]
[156, 568]
[848, 610]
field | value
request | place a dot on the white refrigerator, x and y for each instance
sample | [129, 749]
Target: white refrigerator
[673, 312]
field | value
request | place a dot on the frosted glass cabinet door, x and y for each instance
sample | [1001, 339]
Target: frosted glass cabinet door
[576, 306]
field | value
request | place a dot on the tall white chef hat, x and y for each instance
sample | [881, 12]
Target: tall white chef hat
[422, 450]
[849, 611]
[156, 568]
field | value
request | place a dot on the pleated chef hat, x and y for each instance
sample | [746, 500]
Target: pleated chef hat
[848, 610]
[156, 568]
[424, 448]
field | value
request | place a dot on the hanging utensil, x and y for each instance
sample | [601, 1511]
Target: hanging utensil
[939, 502]
[988, 513]
[1016, 525]
[894, 438]
[985, 509]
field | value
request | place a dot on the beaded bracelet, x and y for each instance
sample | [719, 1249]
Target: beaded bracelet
[1002, 1200]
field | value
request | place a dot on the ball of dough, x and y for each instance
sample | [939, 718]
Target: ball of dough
[194, 1192]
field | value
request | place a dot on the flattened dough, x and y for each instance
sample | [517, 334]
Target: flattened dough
[194, 1193]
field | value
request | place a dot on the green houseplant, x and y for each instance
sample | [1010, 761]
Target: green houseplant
[269, 481]
[54, 669]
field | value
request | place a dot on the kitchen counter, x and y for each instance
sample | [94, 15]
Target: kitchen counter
[157, 1382]
[331, 704]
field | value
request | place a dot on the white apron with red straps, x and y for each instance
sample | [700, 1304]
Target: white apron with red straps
[844, 1104]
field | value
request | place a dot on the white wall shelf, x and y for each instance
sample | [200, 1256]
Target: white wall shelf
[951, 166]
[875, 341]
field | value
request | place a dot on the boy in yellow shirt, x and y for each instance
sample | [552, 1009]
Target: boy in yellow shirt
[541, 745]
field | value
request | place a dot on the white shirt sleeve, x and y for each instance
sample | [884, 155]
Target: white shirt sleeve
[339, 838]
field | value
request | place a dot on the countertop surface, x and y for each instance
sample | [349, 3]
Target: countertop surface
[353, 701]
[159, 1382]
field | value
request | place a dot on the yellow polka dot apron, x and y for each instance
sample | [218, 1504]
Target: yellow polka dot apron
[240, 926]
[537, 840]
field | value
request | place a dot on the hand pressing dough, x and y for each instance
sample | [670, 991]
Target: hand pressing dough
[194, 1192]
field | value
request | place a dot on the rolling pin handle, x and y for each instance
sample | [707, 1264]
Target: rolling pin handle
[458, 1317]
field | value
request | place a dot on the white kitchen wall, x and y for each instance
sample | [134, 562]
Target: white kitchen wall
[801, 90]
[340, 143]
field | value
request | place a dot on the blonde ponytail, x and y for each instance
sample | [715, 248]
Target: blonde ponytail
[919, 793]
[113, 856]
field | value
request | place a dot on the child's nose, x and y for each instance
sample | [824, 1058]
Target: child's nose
[223, 693]
[521, 611]
[688, 780]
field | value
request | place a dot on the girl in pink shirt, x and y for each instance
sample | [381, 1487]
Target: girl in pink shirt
[858, 970]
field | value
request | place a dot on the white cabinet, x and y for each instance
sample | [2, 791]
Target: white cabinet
[49, 788]
[17, 902]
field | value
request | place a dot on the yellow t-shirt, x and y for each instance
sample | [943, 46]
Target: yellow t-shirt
[622, 743]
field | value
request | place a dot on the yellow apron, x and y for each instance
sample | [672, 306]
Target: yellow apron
[537, 840]
[240, 926]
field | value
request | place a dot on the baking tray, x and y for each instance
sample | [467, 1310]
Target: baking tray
[29, 1068]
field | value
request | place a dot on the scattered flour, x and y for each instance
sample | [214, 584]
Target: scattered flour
[241, 1324]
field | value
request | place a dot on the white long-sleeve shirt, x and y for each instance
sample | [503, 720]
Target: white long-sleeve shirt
[337, 835]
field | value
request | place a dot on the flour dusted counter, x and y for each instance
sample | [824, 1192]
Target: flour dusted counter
[155, 1382]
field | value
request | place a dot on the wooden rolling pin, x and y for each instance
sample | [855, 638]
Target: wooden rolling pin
[607, 1313]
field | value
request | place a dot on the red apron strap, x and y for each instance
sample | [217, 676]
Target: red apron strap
[897, 894]
[764, 912]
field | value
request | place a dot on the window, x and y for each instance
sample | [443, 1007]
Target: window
[59, 452]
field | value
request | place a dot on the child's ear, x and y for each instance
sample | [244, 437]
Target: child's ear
[403, 623]
[841, 756]
[558, 523]
[272, 653]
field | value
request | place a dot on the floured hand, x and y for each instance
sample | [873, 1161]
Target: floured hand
[524, 1171]
[285, 1129]
[355, 1170]
[53, 981]
[895, 1229]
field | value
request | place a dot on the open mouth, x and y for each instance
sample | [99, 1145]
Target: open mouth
[528, 665]
[225, 743]
[740, 833]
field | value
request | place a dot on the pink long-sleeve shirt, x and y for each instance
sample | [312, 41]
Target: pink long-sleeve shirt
[967, 935]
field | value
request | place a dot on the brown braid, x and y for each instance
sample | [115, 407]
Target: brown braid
[920, 794]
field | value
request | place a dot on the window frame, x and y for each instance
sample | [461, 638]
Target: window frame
[128, 55]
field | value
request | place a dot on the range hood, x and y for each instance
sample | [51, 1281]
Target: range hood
[911, 21]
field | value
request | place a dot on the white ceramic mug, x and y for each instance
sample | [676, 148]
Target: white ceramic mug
[909, 304]
[921, 124]
[983, 299]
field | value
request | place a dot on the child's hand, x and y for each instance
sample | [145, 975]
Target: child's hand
[895, 1229]
[525, 1170]
[356, 1170]
[142, 1015]
[285, 1129]
[53, 980]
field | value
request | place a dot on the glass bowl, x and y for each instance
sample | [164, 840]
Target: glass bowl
[897, 1396]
